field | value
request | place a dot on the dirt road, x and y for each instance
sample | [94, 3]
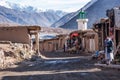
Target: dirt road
[76, 68]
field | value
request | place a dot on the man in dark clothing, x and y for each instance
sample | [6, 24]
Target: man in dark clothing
[109, 50]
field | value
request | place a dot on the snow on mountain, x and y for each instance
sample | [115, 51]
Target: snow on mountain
[5, 3]
[19, 7]
[27, 15]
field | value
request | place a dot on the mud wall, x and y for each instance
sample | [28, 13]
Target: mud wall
[14, 34]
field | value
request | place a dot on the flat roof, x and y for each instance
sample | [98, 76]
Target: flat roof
[28, 27]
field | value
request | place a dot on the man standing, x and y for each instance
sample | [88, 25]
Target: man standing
[109, 50]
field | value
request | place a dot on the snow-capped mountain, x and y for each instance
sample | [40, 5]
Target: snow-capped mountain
[29, 8]
[18, 6]
[95, 10]
[5, 3]
[27, 15]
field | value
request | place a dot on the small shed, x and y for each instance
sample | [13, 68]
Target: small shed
[49, 45]
[90, 41]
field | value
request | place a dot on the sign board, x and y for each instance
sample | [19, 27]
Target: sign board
[117, 17]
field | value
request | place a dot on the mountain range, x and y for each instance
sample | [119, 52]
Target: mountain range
[95, 10]
[27, 15]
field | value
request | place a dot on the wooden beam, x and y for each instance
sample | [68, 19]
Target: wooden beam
[116, 28]
[118, 46]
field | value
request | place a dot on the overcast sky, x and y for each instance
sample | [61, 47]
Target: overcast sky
[65, 5]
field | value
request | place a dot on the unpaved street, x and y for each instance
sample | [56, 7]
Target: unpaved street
[75, 68]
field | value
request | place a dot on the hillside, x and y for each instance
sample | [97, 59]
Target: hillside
[56, 31]
[93, 12]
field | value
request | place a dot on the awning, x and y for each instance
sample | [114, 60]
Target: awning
[74, 35]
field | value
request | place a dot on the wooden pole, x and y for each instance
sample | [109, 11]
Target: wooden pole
[102, 37]
[37, 42]
[114, 40]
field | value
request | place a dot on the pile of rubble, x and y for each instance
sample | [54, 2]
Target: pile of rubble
[11, 53]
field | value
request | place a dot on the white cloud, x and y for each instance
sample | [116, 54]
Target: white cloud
[66, 5]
